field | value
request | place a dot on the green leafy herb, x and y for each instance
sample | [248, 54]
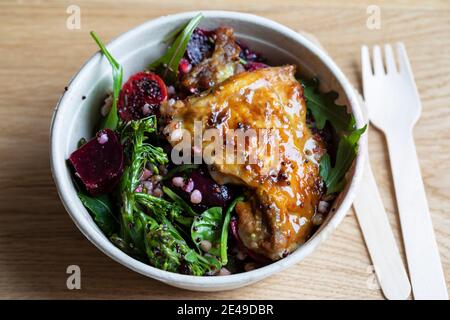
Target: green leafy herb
[180, 169]
[112, 120]
[160, 207]
[150, 225]
[206, 227]
[161, 243]
[334, 177]
[176, 198]
[167, 250]
[324, 108]
[224, 234]
[169, 62]
[140, 154]
[101, 210]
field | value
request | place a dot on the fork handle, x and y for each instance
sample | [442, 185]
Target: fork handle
[379, 238]
[424, 263]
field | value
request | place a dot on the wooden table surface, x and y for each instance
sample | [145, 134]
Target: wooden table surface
[39, 55]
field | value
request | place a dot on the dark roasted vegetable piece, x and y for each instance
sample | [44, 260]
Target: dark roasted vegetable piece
[223, 63]
[200, 46]
[99, 162]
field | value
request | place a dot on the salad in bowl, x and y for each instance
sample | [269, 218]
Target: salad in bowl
[212, 160]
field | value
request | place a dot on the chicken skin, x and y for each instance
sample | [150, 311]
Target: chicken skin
[281, 175]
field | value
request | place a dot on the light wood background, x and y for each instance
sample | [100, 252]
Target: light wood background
[38, 56]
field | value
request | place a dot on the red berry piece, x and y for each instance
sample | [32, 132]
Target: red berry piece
[184, 66]
[99, 162]
[141, 96]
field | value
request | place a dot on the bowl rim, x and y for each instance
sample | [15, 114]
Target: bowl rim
[204, 282]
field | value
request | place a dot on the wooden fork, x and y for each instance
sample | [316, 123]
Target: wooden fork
[394, 107]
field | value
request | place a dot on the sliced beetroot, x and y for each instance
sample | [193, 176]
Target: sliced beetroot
[200, 46]
[141, 96]
[253, 255]
[252, 66]
[99, 162]
[213, 194]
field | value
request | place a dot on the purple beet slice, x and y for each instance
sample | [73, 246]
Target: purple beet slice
[99, 162]
[213, 194]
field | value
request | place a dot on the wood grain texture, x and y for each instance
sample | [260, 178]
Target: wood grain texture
[38, 57]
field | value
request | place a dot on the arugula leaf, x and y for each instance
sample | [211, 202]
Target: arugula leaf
[112, 119]
[206, 227]
[334, 177]
[324, 108]
[101, 210]
[224, 234]
[176, 198]
[171, 59]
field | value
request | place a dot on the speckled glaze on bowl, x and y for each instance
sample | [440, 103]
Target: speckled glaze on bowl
[75, 118]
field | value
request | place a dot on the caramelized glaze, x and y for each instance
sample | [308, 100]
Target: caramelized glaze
[283, 192]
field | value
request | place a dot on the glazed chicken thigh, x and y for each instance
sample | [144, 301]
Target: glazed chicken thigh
[281, 176]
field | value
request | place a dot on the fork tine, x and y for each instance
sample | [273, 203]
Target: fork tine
[378, 67]
[390, 60]
[365, 63]
[403, 60]
[407, 74]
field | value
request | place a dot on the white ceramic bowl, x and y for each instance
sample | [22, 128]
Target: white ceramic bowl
[75, 118]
